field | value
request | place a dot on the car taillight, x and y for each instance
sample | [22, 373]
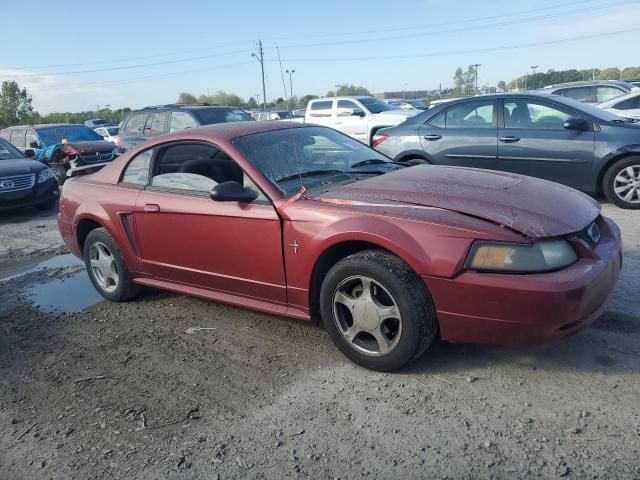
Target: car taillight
[378, 138]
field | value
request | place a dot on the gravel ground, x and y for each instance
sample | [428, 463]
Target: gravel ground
[137, 391]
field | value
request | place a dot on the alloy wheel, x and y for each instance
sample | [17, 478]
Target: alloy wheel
[626, 184]
[103, 267]
[367, 315]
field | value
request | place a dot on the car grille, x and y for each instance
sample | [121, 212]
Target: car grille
[97, 157]
[17, 182]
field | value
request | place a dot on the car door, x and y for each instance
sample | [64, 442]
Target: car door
[186, 237]
[464, 134]
[532, 141]
[351, 119]
[604, 93]
[133, 130]
[321, 112]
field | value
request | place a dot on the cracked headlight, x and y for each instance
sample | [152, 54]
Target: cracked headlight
[45, 175]
[540, 256]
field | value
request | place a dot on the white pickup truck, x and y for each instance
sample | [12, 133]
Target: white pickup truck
[358, 117]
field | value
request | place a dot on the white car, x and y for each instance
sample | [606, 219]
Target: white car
[358, 117]
[110, 133]
[626, 105]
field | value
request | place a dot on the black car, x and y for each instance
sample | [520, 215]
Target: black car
[25, 182]
[540, 135]
[153, 121]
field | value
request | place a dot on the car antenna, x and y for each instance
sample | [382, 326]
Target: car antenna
[301, 192]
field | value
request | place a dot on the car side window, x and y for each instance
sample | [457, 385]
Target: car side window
[135, 124]
[181, 121]
[346, 104]
[321, 109]
[470, 115]
[604, 93]
[158, 123]
[196, 168]
[439, 120]
[137, 172]
[31, 140]
[533, 115]
[17, 138]
[629, 104]
[581, 94]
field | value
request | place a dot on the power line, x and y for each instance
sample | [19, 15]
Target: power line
[378, 39]
[464, 52]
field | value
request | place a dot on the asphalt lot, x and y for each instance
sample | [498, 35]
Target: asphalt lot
[173, 387]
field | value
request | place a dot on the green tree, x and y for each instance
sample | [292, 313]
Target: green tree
[631, 73]
[222, 98]
[15, 105]
[458, 83]
[251, 104]
[305, 100]
[346, 90]
[609, 74]
[502, 85]
[187, 98]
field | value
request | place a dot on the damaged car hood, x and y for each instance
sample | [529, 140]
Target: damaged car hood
[101, 146]
[533, 207]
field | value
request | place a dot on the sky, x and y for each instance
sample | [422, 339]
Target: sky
[79, 55]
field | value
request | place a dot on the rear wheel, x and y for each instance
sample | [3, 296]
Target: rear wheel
[621, 183]
[107, 270]
[377, 310]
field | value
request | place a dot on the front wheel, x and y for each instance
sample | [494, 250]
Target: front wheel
[59, 172]
[107, 270]
[377, 310]
[621, 183]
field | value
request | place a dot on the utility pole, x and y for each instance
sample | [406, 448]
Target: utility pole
[290, 73]
[260, 57]
[533, 78]
[477, 65]
[337, 87]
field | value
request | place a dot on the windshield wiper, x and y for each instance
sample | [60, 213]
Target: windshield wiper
[376, 161]
[310, 173]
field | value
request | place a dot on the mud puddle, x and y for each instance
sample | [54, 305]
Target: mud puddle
[56, 284]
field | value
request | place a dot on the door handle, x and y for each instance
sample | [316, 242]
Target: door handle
[509, 139]
[431, 138]
[152, 207]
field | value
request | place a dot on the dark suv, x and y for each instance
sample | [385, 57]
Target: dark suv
[153, 121]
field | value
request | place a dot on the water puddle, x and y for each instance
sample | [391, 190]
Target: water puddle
[70, 294]
[60, 283]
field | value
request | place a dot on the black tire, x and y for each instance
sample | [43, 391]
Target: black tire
[59, 172]
[125, 289]
[407, 291]
[416, 161]
[46, 206]
[609, 182]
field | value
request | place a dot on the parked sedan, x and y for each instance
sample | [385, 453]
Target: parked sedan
[595, 91]
[626, 106]
[544, 136]
[306, 222]
[25, 182]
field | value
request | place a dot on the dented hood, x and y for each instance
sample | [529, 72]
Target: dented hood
[101, 146]
[533, 207]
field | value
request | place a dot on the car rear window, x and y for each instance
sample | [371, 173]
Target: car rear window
[582, 94]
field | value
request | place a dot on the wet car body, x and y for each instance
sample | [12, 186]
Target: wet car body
[274, 255]
[24, 182]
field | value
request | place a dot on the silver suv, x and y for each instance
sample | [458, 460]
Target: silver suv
[595, 91]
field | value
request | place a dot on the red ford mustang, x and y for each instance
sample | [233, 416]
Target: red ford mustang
[305, 222]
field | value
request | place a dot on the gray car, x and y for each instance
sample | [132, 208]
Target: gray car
[540, 135]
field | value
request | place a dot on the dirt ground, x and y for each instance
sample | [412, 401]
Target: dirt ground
[137, 391]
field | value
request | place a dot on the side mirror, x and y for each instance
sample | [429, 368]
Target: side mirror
[29, 153]
[576, 123]
[357, 112]
[232, 191]
[34, 144]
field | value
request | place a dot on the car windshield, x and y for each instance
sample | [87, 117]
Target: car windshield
[375, 105]
[100, 122]
[112, 131]
[418, 104]
[209, 116]
[316, 157]
[72, 133]
[8, 151]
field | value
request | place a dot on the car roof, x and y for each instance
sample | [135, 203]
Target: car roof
[48, 125]
[180, 106]
[232, 130]
[586, 83]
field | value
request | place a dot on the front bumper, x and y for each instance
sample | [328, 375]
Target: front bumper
[530, 309]
[39, 194]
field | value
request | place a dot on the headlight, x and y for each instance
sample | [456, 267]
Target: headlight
[541, 256]
[45, 175]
